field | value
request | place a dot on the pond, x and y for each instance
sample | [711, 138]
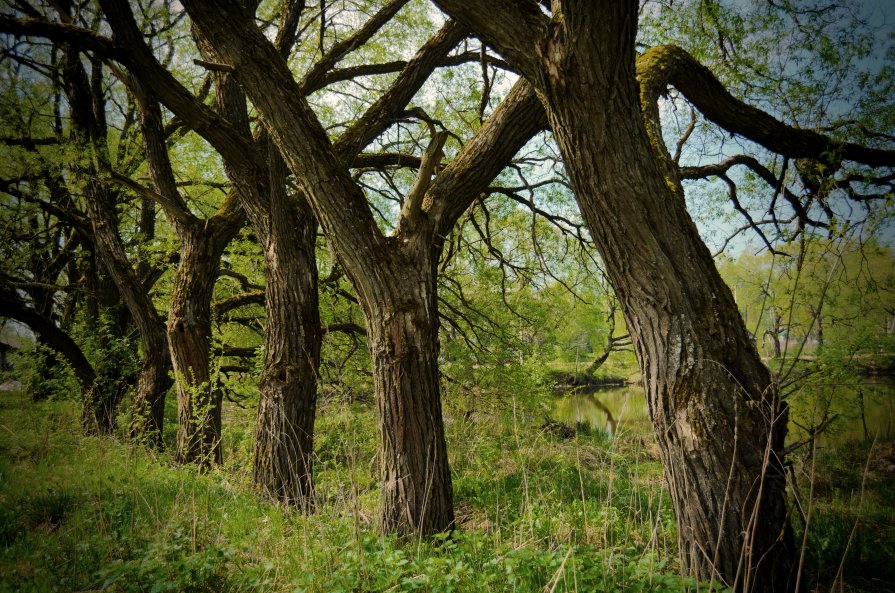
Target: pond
[854, 411]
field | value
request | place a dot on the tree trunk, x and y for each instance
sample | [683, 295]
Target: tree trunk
[283, 464]
[189, 338]
[284, 431]
[716, 413]
[153, 381]
[402, 326]
[152, 387]
[394, 276]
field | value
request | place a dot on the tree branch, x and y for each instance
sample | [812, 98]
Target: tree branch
[668, 64]
[511, 27]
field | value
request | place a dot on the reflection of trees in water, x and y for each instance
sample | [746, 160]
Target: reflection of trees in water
[590, 405]
[611, 424]
[843, 412]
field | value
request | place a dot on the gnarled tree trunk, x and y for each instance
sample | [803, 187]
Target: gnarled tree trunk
[284, 430]
[153, 382]
[199, 397]
[715, 411]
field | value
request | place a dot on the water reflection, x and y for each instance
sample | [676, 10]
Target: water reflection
[852, 412]
[607, 410]
[859, 411]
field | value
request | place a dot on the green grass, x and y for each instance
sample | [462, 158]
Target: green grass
[535, 512]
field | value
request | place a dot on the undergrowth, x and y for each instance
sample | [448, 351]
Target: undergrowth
[536, 512]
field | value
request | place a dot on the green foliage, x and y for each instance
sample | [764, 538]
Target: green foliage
[44, 376]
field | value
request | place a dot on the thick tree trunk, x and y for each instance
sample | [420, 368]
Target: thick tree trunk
[283, 464]
[715, 410]
[199, 397]
[284, 431]
[402, 325]
[394, 276]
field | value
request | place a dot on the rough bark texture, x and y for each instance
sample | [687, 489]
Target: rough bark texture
[284, 431]
[715, 411]
[417, 494]
[409, 504]
[199, 397]
[283, 460]
[202, 242]
[153, 382]
[394, 277]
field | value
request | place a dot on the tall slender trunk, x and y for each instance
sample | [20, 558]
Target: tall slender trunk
[199, 397]
[153, 381]
[283, 461]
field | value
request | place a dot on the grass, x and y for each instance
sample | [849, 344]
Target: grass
[536, 512]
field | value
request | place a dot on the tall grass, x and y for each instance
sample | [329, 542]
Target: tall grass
[536, 512]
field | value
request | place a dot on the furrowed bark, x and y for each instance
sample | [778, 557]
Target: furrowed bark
[189, 319]
[153, 381]
[394, 277]
[716, 412]
[283, 457]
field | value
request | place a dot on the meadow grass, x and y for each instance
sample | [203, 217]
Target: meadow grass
[536, 512]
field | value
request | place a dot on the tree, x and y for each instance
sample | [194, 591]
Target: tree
[715, 407]
[89, 135]
[63, 164]
[715, 410]
[395, 277]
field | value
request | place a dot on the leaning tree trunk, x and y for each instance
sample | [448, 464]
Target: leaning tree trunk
[715, 410]
[153, 381]
[89, 125]
[402, 324]
[199, 397]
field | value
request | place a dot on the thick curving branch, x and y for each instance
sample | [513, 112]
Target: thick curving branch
[511, 27]
[668, 64]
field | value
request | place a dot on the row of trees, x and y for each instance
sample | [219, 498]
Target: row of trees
[201, 113]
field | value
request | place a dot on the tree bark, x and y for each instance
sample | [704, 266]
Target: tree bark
[394, 276]
[402, 321]
[283, 460]
[716, 413]
[153, 381]
[284, 430]
[202, 242]
[199, 396]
